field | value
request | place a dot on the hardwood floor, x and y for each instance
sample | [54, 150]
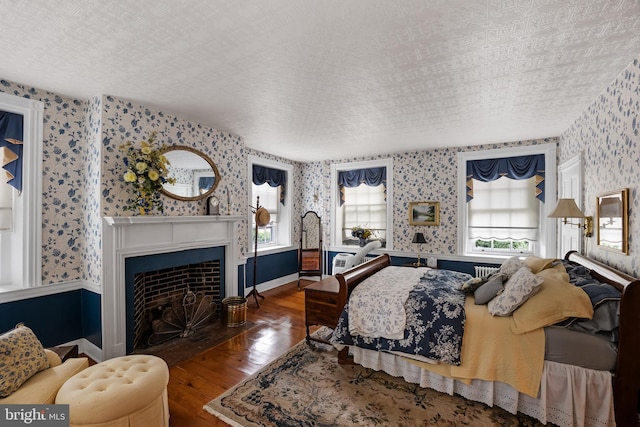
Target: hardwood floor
[279, 324]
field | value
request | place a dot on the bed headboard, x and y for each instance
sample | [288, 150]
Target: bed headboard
[626, 381]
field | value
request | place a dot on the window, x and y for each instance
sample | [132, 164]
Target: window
[363, 201]
[505, 216]
[269, 198]
[20, 245]
[364, 206]
[271, 181]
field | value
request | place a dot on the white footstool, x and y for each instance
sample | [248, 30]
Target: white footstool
[128, 391]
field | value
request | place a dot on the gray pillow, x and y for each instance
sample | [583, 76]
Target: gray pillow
[510, 266]
[489, 290]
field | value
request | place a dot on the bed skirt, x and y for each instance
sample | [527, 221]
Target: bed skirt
[569, 395]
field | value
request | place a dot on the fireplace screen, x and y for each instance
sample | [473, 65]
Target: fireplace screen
[175, 302]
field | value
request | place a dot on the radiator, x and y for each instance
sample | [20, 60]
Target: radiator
[367, 258]
[482, 271]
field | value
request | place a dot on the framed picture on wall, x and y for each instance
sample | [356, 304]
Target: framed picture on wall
[613, 220]
[424, 213]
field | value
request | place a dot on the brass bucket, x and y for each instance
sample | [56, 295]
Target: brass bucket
[234, 311]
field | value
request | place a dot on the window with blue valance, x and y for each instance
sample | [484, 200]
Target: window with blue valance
[353, 178]
[271, 176]
[205, 183]
[11, 129]
[521, 167]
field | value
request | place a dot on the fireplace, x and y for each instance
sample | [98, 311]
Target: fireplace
[174, 302]
[161, 241]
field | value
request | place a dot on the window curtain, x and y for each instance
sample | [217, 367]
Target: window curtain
[11, 148]
[353, 178]
[273, 177]
[517, 168]
[205, 183]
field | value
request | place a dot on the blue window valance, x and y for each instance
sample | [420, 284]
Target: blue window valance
[11, 148]
[521, 167]
[273, 177]
[353, 178]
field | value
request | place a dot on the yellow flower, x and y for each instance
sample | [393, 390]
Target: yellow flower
[130, 176]
[145, 173]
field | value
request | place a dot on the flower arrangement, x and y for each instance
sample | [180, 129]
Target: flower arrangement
[146, 172]
[361, 232]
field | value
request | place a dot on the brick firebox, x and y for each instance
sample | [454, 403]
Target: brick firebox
[156, 291]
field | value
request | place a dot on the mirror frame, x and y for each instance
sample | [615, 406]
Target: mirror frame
[623, 194]
[207, 159]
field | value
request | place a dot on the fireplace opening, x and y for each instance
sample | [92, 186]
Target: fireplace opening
[173, 303]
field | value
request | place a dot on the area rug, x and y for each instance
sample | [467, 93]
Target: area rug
[307, 387]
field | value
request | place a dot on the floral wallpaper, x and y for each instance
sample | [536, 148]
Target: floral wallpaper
[607, 136]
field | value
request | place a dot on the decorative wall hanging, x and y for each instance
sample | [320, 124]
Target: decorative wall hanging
[424, 213]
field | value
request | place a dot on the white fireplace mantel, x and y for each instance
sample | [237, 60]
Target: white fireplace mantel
[124, 237]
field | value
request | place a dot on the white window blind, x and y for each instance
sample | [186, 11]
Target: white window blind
[365, 206]
[504, 209]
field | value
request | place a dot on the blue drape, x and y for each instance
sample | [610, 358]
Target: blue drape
[521, 167]
[353, 178]
[205, 183]
[11, 147]
[273, 177]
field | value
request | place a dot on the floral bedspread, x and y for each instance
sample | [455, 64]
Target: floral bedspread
[435, 319]
[376, 309]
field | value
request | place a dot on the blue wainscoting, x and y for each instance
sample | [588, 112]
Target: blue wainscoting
[272, 266]
[55, 319]
[461, 266]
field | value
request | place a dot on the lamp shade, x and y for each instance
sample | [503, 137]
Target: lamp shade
[566, 208]
[418, 238]
[611, 207]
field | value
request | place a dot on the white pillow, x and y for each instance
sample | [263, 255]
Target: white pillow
[522, 285]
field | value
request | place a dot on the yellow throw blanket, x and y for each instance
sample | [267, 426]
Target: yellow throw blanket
[491, 352]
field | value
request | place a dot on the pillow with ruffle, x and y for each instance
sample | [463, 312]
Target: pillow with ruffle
[520, 287]
[21, 356]
[511, 266]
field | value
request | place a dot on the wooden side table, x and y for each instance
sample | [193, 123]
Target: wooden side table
[322, 305]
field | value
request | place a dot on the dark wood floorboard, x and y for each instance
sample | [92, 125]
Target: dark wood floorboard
[279, 325]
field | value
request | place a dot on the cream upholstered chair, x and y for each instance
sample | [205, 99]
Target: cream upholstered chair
[29, 373]
[43, 387]
[127, 391]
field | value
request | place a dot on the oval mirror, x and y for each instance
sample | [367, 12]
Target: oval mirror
[196, 175]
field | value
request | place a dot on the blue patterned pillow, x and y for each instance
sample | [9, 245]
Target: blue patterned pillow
[21, 356]
[517, 290]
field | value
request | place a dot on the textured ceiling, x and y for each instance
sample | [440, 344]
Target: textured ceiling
[312, 80]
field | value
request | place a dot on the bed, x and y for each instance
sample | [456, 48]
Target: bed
[603, 393]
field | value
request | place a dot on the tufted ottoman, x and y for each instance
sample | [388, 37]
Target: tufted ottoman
[128, 391]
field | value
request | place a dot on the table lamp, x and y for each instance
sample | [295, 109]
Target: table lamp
[419, 239]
